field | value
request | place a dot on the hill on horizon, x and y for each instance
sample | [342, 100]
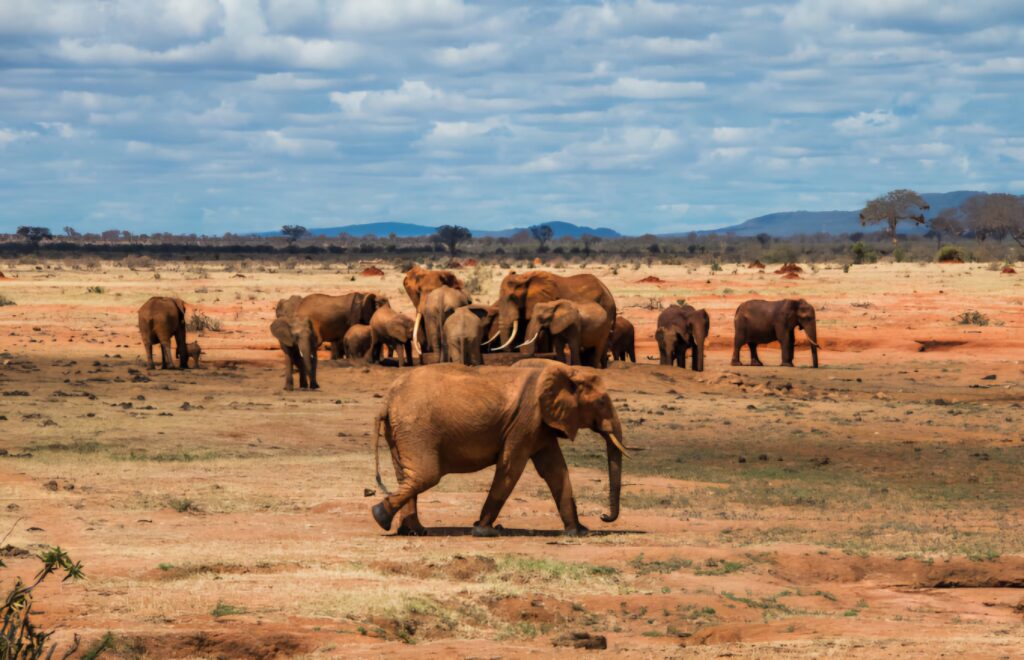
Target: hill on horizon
[411, 230]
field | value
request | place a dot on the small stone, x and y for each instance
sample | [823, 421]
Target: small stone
[50, 485]
[369, 492]
[742, 459]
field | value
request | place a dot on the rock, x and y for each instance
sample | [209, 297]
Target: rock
[369, 492]
[989, 377]
[582, 640]
[50, 485]
[742, 459]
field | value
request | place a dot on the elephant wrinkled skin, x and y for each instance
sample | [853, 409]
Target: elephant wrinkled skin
[764, 321]
[434, 310]
[358, 341]
[463, 333]
[391, 329]
[503, 416]
[582, 327]
[160, 319]
[332, 316]
[418, 283]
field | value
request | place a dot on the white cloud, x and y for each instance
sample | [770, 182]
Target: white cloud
[345, 15]
[278, 142]
[639, 88]
[626, 148]
[149, 150]
[63, 129]
[472, 56]
[9, 136]
[287, 82]
[412, 95]
[675, 209]
[868, 123]
[677, 47]
[456, 131]
[734, 134]
[224, 115]
[995, 66]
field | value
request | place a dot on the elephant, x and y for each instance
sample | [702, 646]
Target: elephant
[194, 350]
[434, 310]
[161, 318]
[519, 293]
[332, 316]
[682, 328]
[463, 333]
[580, 326]
[503, 416]
[298, 341]
[764, 321]
[623, 342]
[419, 282]
[391, 329]
[358, 340]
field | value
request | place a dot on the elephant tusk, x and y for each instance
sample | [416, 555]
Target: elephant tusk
[615, 441]
[496, 335]
[511, 336]
[415, 330]
[814, 343]
[527, 343]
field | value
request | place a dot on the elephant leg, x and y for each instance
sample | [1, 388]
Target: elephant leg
[412, 483]
[788, 344]
[551, 467]
[313, 385]
[632, 355]
[182, 348]
[166, 361]
[148, 345]
[301, 368]
[408, 515]
[506, 476]
[737, 344]
[694, 352]
[754, 360]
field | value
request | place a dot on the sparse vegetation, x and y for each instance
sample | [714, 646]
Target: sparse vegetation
[5, 301]
[200, 322]
[20, 638]
[95, 289]
[226, 609]
[973, 317]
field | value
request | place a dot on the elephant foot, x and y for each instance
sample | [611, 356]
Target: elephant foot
[578, 530]
[787, 364]
[486, 531]
[757, 363]
[736, 363]
[406, 529]
[381, 515]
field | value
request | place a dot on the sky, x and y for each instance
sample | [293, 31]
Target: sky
[213, 116]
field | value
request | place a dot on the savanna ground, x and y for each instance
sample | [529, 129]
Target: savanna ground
[870, 507]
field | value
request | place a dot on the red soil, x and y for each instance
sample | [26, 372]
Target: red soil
[1007, 270]
[789, 268]
[790, 276]
[756, 264]
[372, 271]
[652, 279]
[469, 263]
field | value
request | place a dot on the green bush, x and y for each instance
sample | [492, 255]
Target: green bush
[5, 301]
[19, 637]
[863, 254]
[949, 253]
[199, 322]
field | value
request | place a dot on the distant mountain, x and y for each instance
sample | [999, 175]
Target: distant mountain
[408, 230]
[791, 223]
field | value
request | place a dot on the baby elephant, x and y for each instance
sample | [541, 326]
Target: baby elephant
[299, 343]
[391, 329]
[623, 343]
[358, 340]
[194, 351]
[444, 418]
[464, 330]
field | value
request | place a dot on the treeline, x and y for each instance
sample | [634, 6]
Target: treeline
[722, 249]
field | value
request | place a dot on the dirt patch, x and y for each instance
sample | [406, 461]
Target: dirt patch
[1008, 270]
[372, 271]
[255, 643]
[458, 568]
[938, 344]
[790, 276]
[756, 264]
[959, 572]
[789, 268]
[651, 279]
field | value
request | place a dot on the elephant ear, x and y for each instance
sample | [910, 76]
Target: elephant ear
[559, 403]
[180, 304]
[369, 307]
[564, 317]
[707, 321]
[282, 331]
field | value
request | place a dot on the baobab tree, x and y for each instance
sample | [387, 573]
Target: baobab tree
[543, 234]
[894, 207]
[452, 235]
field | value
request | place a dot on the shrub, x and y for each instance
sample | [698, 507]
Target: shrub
[973, 317]
[863, 254]
[19, 637]
[199, 322]
[95, 289]
[899, 255]
[5, 301]
[478, 280]
[949, 253]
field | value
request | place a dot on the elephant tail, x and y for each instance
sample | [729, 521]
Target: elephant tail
[379, 422]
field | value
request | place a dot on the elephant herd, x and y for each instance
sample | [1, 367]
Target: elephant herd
[490, 415]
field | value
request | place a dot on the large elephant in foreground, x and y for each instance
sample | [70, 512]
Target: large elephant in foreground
[435, 308]
[764, 321]
[332, 316]
[682, 328]
[503, 416]
[520, 292]
[578, 326]
[419, 282]
[161, 318]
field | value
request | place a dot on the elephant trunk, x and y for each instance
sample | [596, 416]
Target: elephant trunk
[811, 331]
[613, 444]
[511, 336]
[700, 339]
[415, 332]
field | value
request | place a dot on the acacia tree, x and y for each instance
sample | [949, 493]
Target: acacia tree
[294, 232]
[949, 222]
[543, 234]
[894, 207]
[34, 234]
[589, 240]
[451, 235]
[997, 216]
